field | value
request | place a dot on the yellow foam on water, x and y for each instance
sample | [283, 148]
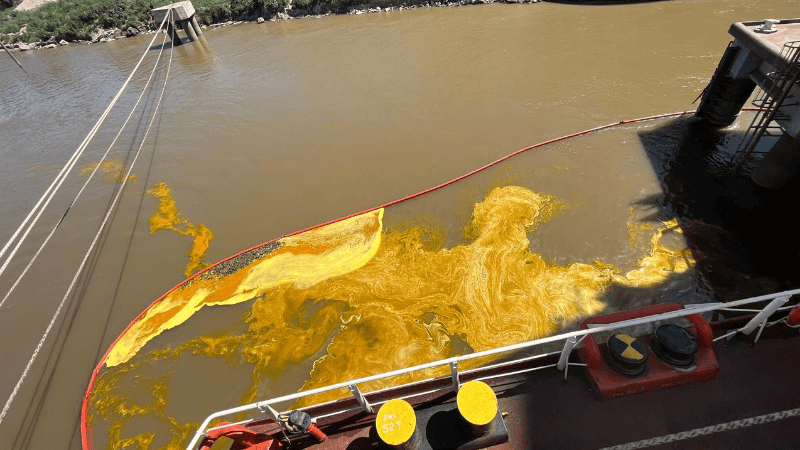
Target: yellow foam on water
[167, 217]
[112, 169]
[319, 254]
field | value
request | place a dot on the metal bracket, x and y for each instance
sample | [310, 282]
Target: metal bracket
[270, 411]
[360, 398]
[454, 375]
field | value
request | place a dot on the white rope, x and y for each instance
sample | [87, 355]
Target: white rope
[707, 430]
[62, 175]
[47, 239]
[91, 247]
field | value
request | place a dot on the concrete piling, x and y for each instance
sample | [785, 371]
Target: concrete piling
[173, 34]
[196, 26]
[183, 16]
[189, 29]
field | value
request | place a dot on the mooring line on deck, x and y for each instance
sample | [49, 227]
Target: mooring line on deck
[728, 426]
[99, 231]
[50, 192]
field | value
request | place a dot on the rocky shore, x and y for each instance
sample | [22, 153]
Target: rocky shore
[292, 10]
[98, 35]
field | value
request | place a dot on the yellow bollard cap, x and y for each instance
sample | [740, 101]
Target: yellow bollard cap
[477, 402]
[396, 422]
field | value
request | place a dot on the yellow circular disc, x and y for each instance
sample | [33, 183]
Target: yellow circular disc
[477, 402]
[395, 422]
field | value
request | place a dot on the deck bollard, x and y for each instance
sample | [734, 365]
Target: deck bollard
[477, 405]
[396, 424]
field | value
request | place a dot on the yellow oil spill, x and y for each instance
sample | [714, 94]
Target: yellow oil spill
[300, 262]
[119, 410]
[386, 299]
[661, 262]
[113, 170]
[635, 228]
[167, 217]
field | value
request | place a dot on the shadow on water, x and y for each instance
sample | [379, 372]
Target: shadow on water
[739, 234]
[167, 45]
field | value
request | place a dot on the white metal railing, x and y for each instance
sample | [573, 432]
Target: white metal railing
[571, 339]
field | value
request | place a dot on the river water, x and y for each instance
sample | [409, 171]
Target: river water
[271, 128]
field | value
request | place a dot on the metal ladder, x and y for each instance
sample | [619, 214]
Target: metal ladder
[773, 94]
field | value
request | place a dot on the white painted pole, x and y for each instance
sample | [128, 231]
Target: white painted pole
[569, 343]
[361, 399]
[454, 375]
[764, 314]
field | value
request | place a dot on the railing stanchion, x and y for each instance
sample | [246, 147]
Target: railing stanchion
[563, 360]
[764, 314]
[569, 343]
[265, 408]
[760, 330]
[360, 398]
[454, 375]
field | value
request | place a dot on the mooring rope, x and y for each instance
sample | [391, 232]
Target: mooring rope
[734, 425]
[50, 192]
[94, 171]
[99, 231]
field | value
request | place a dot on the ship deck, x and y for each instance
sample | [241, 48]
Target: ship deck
[752, 403]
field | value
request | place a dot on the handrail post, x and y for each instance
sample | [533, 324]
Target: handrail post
[265, 408]
[454, 375]
[360, 398]
[563, 360]
[569, 343]
[764, 314]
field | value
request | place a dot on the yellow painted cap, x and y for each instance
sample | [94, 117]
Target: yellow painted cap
[477, 402]
[395, 422]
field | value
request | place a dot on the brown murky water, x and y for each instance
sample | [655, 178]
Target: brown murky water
[267, 129]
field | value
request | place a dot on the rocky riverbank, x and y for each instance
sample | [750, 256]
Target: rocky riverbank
[209, 18]
[98, 35]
